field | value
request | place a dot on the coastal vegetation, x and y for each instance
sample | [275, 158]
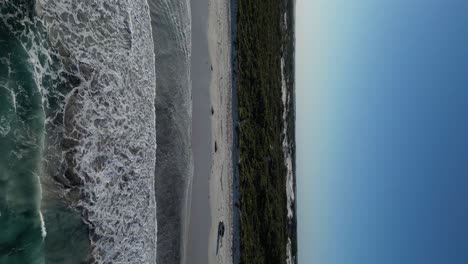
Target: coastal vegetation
[262, 40]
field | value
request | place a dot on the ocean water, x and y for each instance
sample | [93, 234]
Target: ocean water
[21, 138]
[77, 132]
[171, 23]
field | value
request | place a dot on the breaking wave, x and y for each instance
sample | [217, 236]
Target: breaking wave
[104, 122]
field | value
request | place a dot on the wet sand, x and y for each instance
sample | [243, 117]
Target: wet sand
[199, 215]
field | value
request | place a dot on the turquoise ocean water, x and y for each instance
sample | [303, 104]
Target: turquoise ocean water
[24, 61]
[21, 140]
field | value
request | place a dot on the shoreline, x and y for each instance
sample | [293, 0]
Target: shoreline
[198, 214]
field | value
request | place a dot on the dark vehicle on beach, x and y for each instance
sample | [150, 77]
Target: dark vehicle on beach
[220, 236]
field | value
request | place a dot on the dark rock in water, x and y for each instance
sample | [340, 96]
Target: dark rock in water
[68, 143]
[72, 177]
[73, 80]
[61, 180]
[212, 111]
[215, 147]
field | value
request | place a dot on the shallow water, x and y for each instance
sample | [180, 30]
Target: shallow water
[171, 24]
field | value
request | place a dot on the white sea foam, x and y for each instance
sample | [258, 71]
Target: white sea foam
[107, 47]
[43, 228]
[287, 152]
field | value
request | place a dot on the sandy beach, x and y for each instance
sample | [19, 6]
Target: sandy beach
[222, 193]
[212, 138]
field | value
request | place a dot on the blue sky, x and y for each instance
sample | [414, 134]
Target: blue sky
[382, 131]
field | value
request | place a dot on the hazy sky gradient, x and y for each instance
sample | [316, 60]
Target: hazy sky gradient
[382, 131]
